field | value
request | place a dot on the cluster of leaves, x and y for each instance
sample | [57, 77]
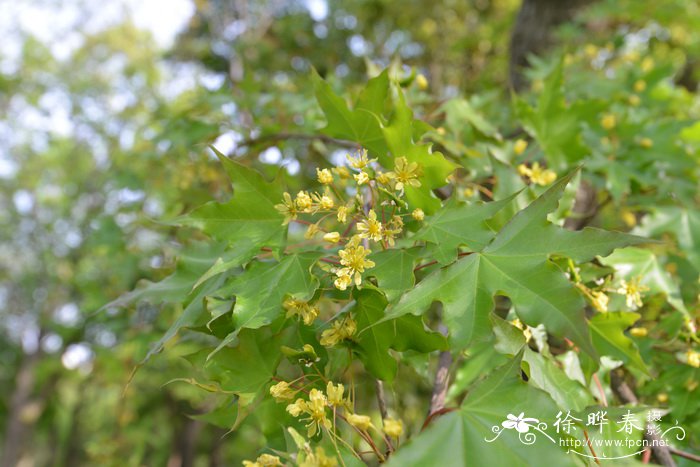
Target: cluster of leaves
[302, 295]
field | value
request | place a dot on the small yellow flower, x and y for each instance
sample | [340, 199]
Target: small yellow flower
[304, 201]
[282, 391]
[520, 146]
[418, 214]
[393, 427]
[342, 214]
[264, 460]
[343, 281]
[441, 131]
[382, 178]
[268, 460]
[422, 82]
[353, 258]
[468, 192]
[316, 409]
[340, 330]
[325, 177]
[537, 174]
[628, 218]
[392, 229]
[360, 160]
[316, 459]
[323, 202]
[599, 300]
[590, 51]
[634, 100]
[335, 394]
[342, 172]
[633, 292]
[363, 422]
[405, 173]
[361, 178]
[647, 64]
[297, 408]
[332, 237]
[307, 312]
[639, 332]
[693, 358]
[662, 397]
[608, 121]
[640, 85]
[370, 228]
[646, 143]
[311, 231]
[288, 208]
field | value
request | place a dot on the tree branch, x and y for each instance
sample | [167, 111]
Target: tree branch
[442, 378]
[275, 137]
[626, 395]
[381, 401]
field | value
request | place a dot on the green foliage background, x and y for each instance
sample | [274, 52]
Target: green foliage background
[167, 263]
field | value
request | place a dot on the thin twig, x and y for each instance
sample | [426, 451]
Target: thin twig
[381, 402]
[685, 455]
[442, 378]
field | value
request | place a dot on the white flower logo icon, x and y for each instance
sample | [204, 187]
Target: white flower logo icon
[520, 423]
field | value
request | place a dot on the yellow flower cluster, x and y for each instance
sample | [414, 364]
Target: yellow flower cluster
[304, 202]
[315, 407]
[369, 227]
[339, 331]
[306, 311]
[537, 174]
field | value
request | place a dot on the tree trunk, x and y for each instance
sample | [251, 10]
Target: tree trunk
[533, 29]
[17, 429]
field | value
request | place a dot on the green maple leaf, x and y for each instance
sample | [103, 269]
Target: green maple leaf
[365, 125]
[361, 124]
[374, 341]
[458, 439]
[243, 369]
[260, 291]
[250, 215]
[609, 337]
[516, 264]
[401, 137]
[632, 263]
[553, 124]
[683, 223]
[393, 269]
[445, 230]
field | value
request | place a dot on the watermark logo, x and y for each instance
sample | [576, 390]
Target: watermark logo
[628, 428]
